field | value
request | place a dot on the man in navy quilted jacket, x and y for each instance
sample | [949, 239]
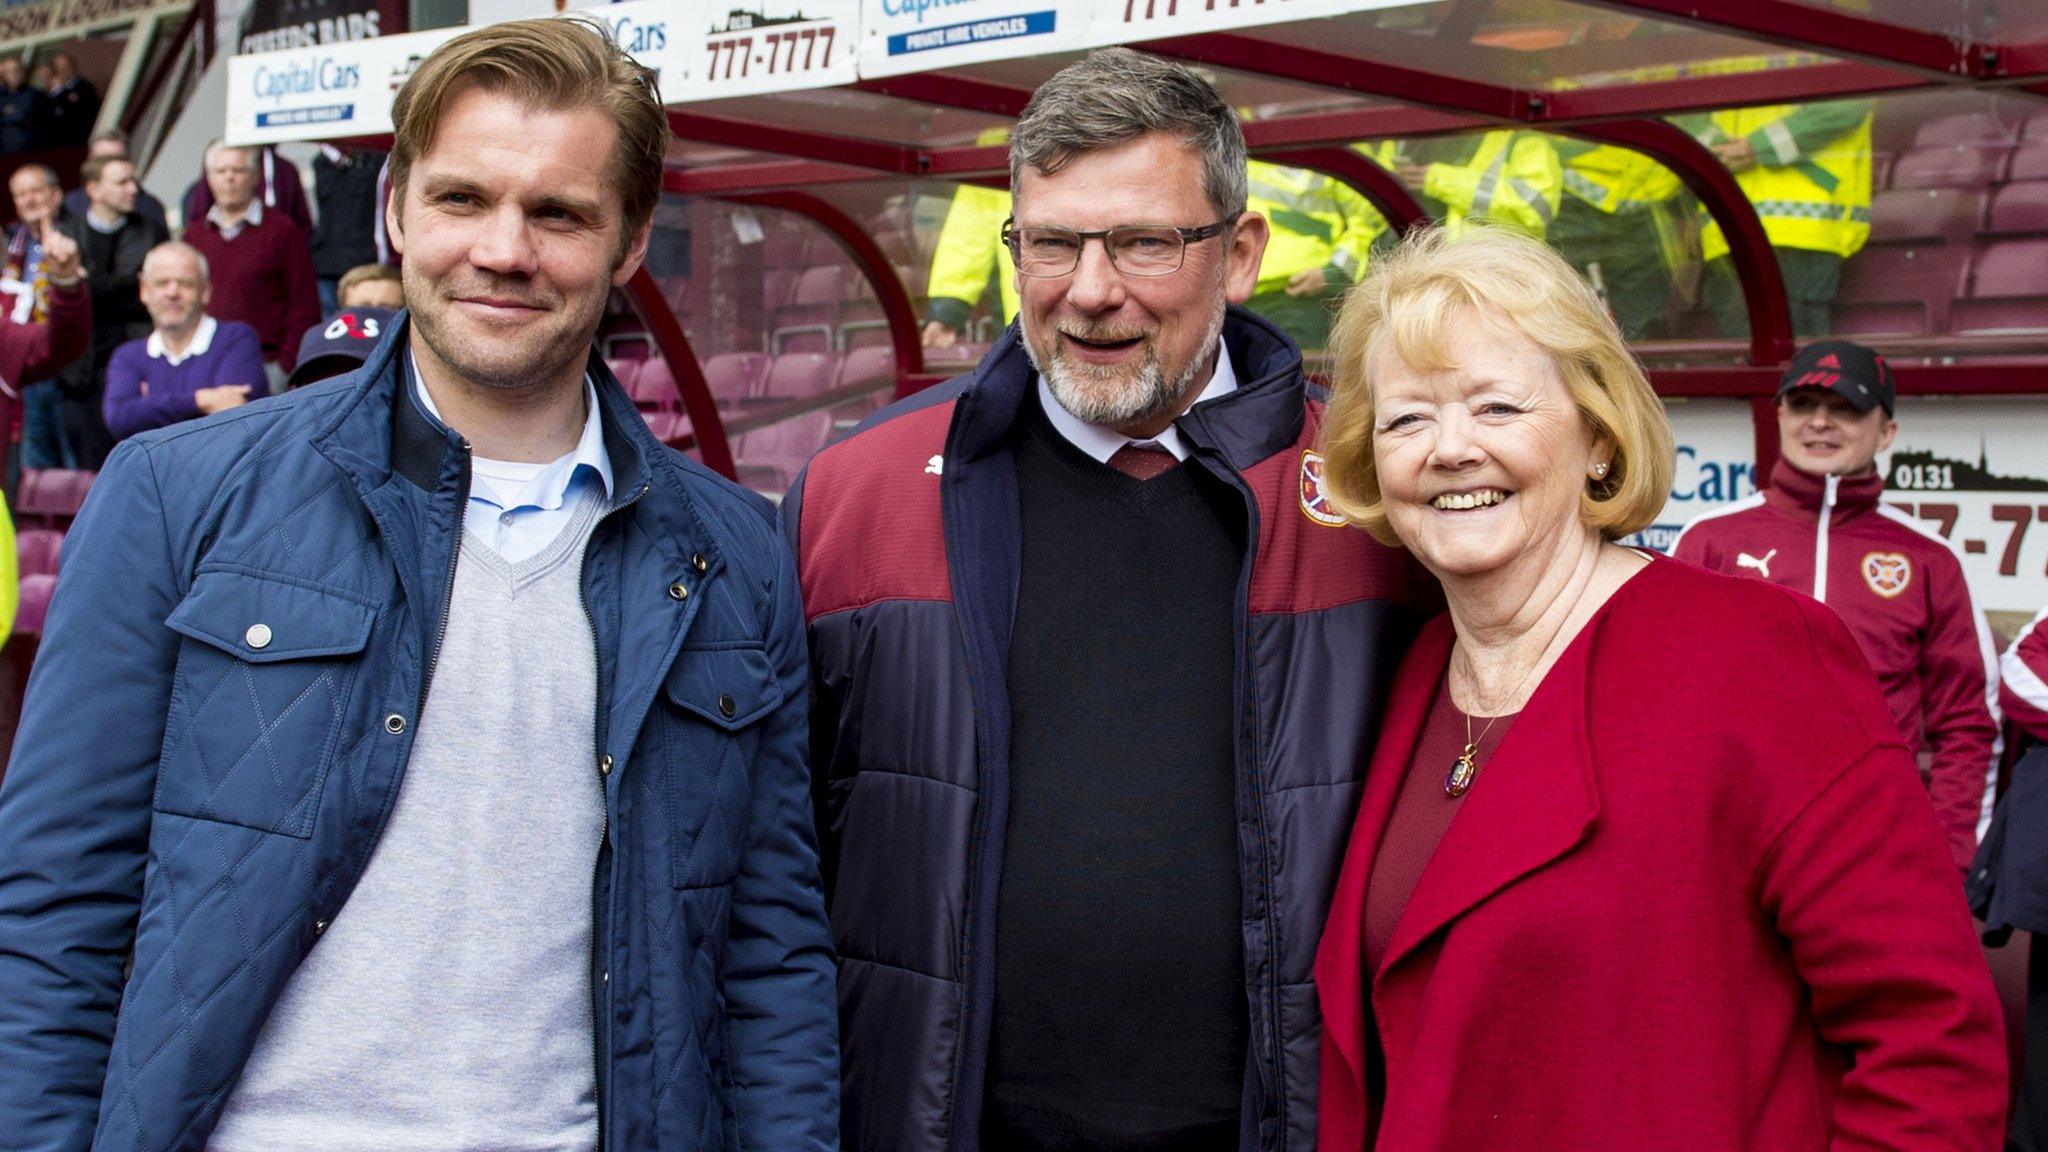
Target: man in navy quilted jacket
[432, 738]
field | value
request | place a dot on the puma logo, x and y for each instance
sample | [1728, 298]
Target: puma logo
[936, 466]
[1762, 566]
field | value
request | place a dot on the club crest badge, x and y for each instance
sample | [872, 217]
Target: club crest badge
[1887, 573]
[1315, 503]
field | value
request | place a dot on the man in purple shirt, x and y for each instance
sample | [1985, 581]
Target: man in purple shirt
[190, 365]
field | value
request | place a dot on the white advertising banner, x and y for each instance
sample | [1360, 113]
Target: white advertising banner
[1129, 21]
[899, 36]
[1975, 470]
[323, 92]
[773, 46]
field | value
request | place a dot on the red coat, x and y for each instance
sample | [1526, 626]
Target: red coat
[38, 351]
[1696, 900]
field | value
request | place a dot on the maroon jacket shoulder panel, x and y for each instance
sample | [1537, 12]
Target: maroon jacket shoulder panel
[1309, 558]
[871, 528]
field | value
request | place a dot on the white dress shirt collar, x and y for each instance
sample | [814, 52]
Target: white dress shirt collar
[1102, 443]
[202, 339]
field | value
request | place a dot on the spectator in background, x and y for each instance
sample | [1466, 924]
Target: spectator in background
[262, 264]
[372, 286]
[37, 210]
[113, 142]
[74, 103]
[1512, 179]
[191, 365]
[35, 349]
[345, 184]
[277, 186]
[1821, 527]
[340, 345]
[1806, 170]
[115, 240]
[2009, 882]
[23, 110]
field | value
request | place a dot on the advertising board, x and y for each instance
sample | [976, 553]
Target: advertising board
[899, 36]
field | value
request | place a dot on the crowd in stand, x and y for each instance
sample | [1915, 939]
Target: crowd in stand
[186, 327]
[52, 106]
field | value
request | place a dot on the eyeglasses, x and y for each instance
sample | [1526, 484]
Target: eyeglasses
[1134, 250]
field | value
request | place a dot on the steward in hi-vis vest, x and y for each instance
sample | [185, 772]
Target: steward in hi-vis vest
[1621, 223]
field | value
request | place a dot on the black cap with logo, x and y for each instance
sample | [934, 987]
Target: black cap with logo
[339, 344]
[1847, 369]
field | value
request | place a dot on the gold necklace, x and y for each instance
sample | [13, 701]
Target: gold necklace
[1466, 767]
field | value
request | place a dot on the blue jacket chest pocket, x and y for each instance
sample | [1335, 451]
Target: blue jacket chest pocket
[259, 704]
[717, 700]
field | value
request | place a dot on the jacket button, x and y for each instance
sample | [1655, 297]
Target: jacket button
[698, 562]
[319, 926]
[676, 591]
[257, 637]
[726, 706]
[394, 724]
[604, 766]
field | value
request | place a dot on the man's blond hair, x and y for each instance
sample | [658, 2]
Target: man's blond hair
[547, 64]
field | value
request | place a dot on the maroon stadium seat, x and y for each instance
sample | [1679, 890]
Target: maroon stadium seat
[1924, 214]
[1952, 166]
[807, 321]
[52, 496]
[954, 358]
[624, 371]
[2036, 127]
[1900, 290]
[654, 388]
[34, 604]
[2018, 209]
[666, 425]
[864, 365]
[801, 374]
[1881, 170]
[736, 377]
[2029, 161]
[36, 551]
[2008, 290]
[776, 285]
[768, 459]
[1966, 128]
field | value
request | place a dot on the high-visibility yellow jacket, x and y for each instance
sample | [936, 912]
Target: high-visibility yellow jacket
[1811, 181]
[1316, 222]
[1512, 178]
[1640, 193]
[10, 575]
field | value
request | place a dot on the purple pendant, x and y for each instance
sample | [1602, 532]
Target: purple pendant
[1462, 771]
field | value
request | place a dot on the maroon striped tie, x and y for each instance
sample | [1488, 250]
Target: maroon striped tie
[1142, 461]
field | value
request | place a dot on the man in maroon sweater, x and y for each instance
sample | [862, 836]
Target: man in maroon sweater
[262, 262]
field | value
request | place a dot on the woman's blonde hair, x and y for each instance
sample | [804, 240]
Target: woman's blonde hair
[1407, 306]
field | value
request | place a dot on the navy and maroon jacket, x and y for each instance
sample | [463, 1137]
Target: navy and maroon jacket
[907, 537]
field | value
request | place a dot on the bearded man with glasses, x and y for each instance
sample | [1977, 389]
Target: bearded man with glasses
[1095, 670]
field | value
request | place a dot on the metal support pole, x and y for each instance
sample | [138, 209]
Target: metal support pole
[674, 345]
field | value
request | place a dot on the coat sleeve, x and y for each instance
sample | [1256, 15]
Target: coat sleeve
[59, 339]
[241, 359]
[75, 810]
[1860, 885]
[2024, 672]
[1959, 708]
[780, 981]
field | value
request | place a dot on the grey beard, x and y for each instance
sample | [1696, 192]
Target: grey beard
[1091, 395]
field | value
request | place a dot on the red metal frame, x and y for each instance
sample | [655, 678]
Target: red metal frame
[1368, 179]
[674, 345]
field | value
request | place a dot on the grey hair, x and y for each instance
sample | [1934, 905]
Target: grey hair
[250, 159]
[1117, 95]
[173, 246]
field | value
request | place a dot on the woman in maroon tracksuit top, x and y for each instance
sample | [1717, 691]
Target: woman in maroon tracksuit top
[1642, 862]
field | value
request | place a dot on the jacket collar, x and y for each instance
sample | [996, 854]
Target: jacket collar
[380, 433]
[1803, 494]
[1261, 416]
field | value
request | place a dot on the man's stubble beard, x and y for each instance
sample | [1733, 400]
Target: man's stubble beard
[1091, 395]
[571, 347]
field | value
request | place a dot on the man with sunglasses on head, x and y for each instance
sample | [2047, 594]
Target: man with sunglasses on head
[1095, 671]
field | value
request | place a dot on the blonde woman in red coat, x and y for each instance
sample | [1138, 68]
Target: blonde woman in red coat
[1642, 861]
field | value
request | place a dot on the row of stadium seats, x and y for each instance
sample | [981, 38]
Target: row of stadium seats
[44, 508]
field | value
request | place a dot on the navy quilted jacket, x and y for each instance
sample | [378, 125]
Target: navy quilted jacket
[908, 537]
[210, 805]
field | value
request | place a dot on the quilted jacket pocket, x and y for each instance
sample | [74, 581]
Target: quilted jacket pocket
[262, 690]
[719, 698]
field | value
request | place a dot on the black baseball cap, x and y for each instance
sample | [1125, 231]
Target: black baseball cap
[339, 344]
[1847, 369]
